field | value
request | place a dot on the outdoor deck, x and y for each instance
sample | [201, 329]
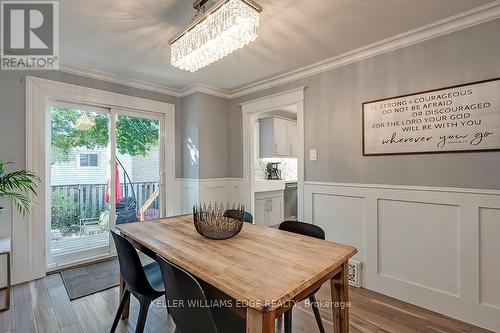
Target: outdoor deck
[68, 245]
[84, 227]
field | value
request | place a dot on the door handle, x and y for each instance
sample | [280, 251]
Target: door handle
[275, 148]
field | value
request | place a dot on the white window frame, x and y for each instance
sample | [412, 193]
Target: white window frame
[78, 160]
[29, 241]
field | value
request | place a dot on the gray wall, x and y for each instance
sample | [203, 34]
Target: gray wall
[214, 136]
[333, 113]
[332, 116]
[206, 128]
[190, 143]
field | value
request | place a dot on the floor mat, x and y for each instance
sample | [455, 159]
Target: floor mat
[90, 279]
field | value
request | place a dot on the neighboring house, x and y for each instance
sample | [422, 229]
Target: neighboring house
[90, 166]
[145, 169]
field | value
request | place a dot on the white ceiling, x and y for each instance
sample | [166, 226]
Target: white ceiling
[129, 38]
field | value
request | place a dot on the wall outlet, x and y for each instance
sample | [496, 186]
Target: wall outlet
[313, 154]
[354, 276]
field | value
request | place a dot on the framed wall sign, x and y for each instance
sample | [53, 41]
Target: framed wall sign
[453, 119]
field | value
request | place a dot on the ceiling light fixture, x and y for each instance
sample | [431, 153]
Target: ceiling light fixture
[215, 32]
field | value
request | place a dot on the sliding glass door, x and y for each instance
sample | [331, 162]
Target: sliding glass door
[138, 167]
[106, 169]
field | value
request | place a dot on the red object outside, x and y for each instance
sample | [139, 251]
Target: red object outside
[118, 189]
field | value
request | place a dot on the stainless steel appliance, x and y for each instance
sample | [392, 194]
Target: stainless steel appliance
[290, 201]
[273, 171]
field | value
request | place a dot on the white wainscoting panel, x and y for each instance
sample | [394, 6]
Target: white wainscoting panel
[175, 199]
[489, 257]
[438, 248]
[190, 194]
[419, 230]
[343, 219]
[225, 190]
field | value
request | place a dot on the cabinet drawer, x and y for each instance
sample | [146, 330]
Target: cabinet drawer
[268, 195]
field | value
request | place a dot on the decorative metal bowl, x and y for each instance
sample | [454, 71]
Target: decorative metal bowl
[211, 221]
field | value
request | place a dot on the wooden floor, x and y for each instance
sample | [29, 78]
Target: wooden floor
[43, 306]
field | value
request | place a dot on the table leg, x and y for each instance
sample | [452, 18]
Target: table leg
[126, 309]
[260, 322]
[339, 285]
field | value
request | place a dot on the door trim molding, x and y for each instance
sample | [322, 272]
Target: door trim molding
[29, 241]
[269, 103]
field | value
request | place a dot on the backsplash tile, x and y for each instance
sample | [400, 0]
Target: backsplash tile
[288, 168]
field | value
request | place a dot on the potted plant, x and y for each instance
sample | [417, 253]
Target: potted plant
[16, 186]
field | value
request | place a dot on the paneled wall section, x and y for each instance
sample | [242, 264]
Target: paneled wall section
[434, 247]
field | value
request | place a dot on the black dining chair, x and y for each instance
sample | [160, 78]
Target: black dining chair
[145, 283]
[193, 313]
[310, 230]
[234, 213]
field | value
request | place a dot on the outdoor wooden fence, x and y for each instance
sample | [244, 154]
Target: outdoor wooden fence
[90, 199]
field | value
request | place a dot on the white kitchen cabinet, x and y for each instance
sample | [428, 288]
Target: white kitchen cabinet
[260, 211]
[276, 212]
[276, 137]
[269, 209]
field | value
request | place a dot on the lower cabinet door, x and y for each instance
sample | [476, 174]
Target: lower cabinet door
[276, 211]
[261, 211]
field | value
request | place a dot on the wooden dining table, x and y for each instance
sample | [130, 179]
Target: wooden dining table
[263, 270]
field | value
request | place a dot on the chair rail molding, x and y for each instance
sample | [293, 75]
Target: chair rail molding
[29, 238]
[435, 247]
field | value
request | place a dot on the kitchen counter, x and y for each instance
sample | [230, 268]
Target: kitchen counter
[268, 185]
[271, 185]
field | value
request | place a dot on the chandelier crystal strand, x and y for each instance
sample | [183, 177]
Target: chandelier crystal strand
[232, 26]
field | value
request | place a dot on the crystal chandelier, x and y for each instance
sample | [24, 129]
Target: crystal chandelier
[215, 32]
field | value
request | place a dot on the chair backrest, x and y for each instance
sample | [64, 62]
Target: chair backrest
[126, 210]
[130, 265]
[187, 302]
[302, 228]
[234, 213]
